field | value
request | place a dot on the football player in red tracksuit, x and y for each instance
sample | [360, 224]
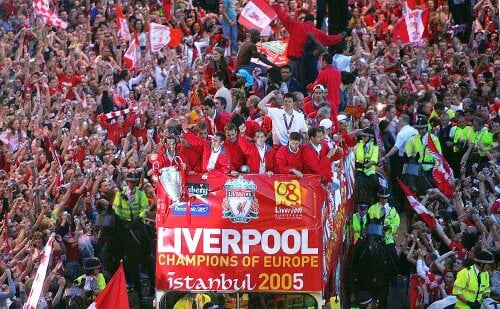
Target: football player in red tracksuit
[317, 157]
[288, 158]
[215, 159]
[233, 147]
[215, 120]
[168, 156]
[259, 155]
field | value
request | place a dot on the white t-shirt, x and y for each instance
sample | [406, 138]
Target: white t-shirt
[224, 93]
[125, 87]
[161, 81]
[402, 138]
[212, 160]
[280, 131]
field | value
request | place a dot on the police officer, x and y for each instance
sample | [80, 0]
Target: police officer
[131, 205]
[473, 283]
[359, 221]
[391, 222]
[93, 280]
[417, 148]
[367, 159]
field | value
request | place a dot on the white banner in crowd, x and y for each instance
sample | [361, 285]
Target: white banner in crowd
[37, 286]
[257, 14]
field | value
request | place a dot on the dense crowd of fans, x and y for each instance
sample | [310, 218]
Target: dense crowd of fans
[207, 108]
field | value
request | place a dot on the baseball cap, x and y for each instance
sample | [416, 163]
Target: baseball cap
[325, 123]
[320, 87]
[341, 117]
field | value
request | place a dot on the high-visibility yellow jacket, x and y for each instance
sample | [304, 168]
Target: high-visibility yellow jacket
[466, 284]
[457, 138]
[391, 219]
[358, 223]
[418, 145]
[483, 137]
[186, 302]
[126, 209]
[365, 155]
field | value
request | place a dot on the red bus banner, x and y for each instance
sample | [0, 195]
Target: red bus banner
[251, 234]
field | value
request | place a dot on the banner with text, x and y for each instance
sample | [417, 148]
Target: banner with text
[252, 234]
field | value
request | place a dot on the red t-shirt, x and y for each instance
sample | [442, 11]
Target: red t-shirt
[461, 251]
[69, 82]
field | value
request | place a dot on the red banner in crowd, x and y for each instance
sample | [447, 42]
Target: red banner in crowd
[416, 292]
[275, 51]
[271, 225]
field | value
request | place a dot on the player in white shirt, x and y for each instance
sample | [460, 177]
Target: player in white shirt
[285, 120]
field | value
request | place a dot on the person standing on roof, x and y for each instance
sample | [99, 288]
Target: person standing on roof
[299, 32]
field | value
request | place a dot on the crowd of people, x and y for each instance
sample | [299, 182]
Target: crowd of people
[83, 134]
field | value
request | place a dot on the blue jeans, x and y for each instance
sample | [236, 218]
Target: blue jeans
[230, 33]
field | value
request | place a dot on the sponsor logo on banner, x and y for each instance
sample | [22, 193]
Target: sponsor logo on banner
[198, 189]
[288, 200]
[197, 209]
[240, 204]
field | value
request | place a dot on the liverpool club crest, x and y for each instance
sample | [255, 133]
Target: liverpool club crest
[240, 204]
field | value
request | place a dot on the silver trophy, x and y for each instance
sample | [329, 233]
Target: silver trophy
[170, 179]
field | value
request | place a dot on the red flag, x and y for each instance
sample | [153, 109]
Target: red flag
[416, 292]
[122, 29]
[56, 158]
[257, 14]
[378, 135]
[161, 35]
[41, 8]
[411, 27]
[425, 214]
[442, 173]
[132, 57]
[115, 294]
[167, 8]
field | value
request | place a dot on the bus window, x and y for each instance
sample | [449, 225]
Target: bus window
[181, 300]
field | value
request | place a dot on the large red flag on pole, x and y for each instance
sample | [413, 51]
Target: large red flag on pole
[132, 57]
[115, 294]
[442, 173]
[411, 27]
[420, 209]
[122, 29]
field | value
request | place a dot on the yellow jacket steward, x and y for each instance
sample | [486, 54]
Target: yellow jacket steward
[358, 223]
[391, 220]
[365, 154]
[418, 145]
[128, 210]
[466, 284]
[483, 137]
